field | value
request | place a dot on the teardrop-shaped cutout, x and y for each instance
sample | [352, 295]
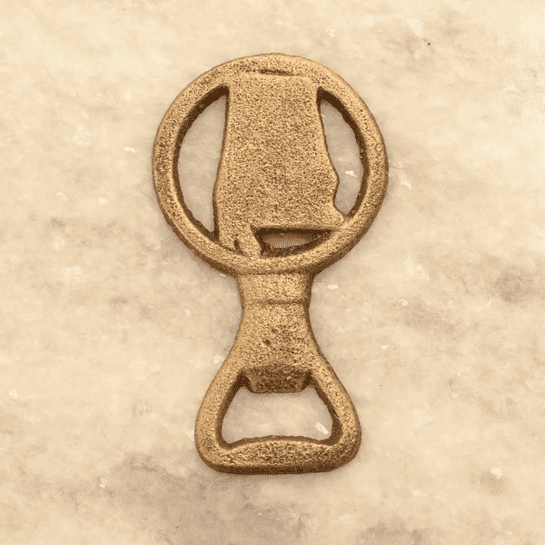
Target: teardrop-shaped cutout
[260, 415]
[344, 153]
[199, 160]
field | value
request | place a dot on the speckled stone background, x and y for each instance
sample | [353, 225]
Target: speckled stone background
[112, 330]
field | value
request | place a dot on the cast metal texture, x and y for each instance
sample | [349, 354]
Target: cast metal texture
[275, 174]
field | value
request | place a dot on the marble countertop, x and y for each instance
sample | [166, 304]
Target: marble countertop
[112, 330]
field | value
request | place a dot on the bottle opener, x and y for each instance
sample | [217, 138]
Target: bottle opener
[275, 175]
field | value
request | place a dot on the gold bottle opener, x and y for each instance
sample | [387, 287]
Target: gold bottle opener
[275, 174]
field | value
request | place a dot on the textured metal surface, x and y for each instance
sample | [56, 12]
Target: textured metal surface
[275, 174]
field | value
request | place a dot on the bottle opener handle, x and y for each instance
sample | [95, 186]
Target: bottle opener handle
[275, 352]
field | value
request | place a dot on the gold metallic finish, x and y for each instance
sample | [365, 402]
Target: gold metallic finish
[275, 175]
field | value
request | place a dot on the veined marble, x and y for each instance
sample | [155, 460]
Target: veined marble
[112, 330]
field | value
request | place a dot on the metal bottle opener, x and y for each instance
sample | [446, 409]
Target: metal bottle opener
[275, 174]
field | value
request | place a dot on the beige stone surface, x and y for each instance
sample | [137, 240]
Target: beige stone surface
[112, 330]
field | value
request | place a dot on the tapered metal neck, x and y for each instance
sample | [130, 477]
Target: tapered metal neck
[265, 289]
